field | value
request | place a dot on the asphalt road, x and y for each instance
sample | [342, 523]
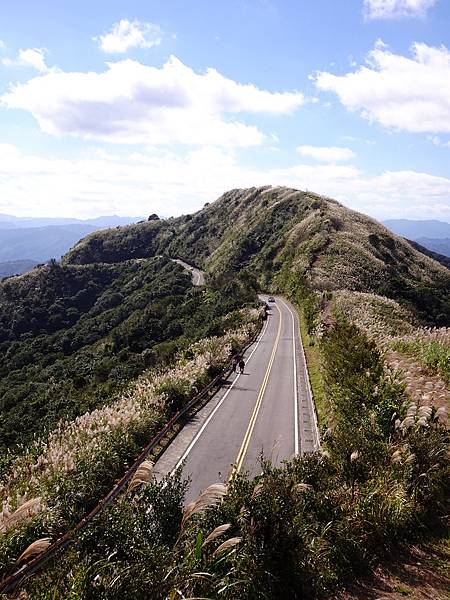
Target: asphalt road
[267, 411]
[198, 277]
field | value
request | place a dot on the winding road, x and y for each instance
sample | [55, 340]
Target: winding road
[198, 277]
[267, 411]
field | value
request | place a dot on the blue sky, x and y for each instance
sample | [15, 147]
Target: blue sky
[141, 107]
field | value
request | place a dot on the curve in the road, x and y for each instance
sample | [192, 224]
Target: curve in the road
[198, 276]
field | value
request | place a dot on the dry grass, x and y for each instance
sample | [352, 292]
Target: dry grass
[302, 487]
[234, 541]
[35, 548]
[212, 496]
[422, 416]
[418, 574]
[142, 476]
[9, 519]
[215, 533]
[377, 315]
[429, 347]
[422, 387]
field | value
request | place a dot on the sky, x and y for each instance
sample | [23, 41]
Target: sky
[141, 107]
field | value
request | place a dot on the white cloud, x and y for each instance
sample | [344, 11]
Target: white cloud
[436, 141]
[135, 103]
[129, 34]
[411, 94]
[170, 184]
[395, 9]
[30, 57]
[2, 44]
[331, 154]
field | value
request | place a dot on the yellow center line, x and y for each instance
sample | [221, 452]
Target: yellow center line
[248, 434]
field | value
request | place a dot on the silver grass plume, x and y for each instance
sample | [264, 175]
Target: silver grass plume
[215, 533]
[143, 475]
[227, 544]
[35, 548]
[212, 496]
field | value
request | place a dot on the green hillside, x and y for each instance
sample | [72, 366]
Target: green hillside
[73, 336]
[99, 351]
[264, 229]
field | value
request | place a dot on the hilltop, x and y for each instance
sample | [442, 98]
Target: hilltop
[269, 229]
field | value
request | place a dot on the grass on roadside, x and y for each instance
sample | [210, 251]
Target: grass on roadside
[312, 355]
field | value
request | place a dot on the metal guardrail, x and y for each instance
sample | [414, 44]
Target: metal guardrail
[12, 581]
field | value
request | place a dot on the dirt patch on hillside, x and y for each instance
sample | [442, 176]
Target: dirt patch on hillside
[419, 574]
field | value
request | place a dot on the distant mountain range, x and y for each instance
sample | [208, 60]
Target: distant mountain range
[439, 245]
[12, 222]
[25, 242]
[432, 234]
[419, 229]
[39, 244]
[15, 267]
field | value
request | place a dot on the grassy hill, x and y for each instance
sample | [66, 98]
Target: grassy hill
[100, 350]
[266, 229]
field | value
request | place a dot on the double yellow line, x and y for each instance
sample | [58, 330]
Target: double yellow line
[248, 434]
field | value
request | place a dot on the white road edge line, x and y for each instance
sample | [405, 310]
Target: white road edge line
[309, 394]
[205, 424]
[296, 412]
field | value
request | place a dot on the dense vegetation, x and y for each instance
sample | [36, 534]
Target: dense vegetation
[294, 532]
[102, 349]
[71, 337]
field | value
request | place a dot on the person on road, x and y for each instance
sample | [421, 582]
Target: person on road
[236, 358]
[241, 365]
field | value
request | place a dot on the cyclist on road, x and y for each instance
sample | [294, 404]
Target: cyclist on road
[241, 366]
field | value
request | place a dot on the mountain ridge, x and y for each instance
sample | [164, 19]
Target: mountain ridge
[444, 259]
[264, 229]
[438, 245]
